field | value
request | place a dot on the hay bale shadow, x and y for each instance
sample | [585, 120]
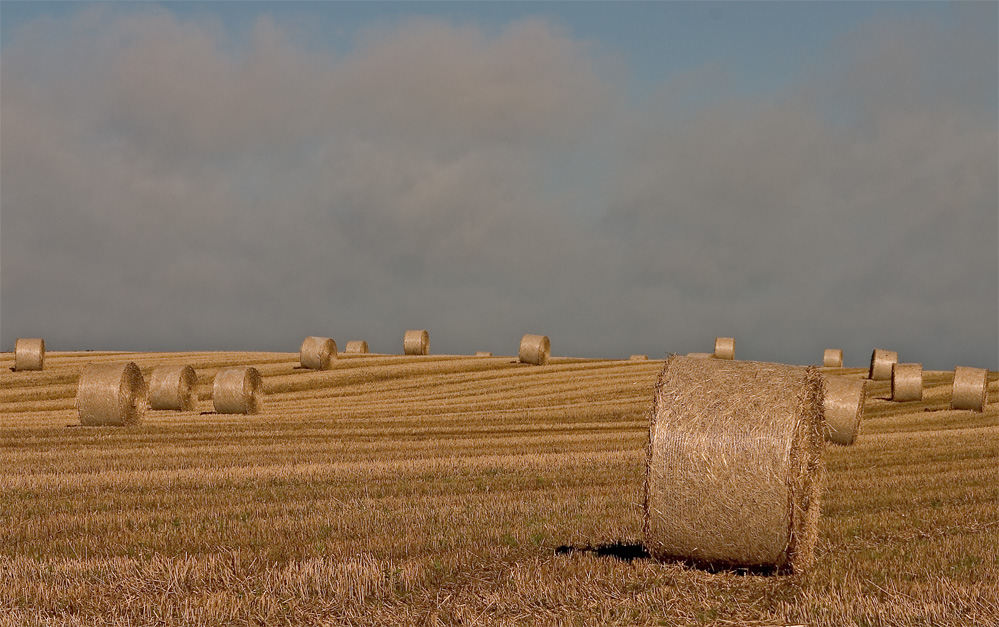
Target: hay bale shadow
[628, 552]
[619, 550]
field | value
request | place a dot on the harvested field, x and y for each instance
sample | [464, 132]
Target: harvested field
[415, 490]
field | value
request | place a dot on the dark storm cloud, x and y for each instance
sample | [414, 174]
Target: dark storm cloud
[166, 186]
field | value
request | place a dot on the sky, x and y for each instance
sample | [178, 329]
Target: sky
[626, 178]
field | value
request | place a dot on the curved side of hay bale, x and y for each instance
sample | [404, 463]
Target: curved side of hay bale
[906, 382]
[172, 387]
[881, 363]
[483, 354]
[357, 347]
[111, 395]
[700, 355]
[416, 342]
[843, 407]
[724, 348]
[535, 349]
[971, 386]
[832, 358]
[318, 353]
[734, 464]
[639, 358]
[238, 391]
[29, 354]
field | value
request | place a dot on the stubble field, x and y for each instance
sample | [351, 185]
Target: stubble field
[456, 490]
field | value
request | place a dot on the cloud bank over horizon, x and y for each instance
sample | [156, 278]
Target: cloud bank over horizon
[167, 184]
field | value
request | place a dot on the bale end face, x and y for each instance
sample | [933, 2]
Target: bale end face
[881, 364]
[416, 342]
[906, 382]
[971, 387]
[29, 354]
[724, 348]
[111, 395]
[832, 358]
[317, 353]
[238, 391]
[734, 466]
[535, 349]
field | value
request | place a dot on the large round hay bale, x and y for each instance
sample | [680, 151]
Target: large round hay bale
[483, 354]
[318, 353]
[535, 349]
[172, 387]
[832, 358]
[111, 395]
[639, 358]
[734, 463]
[356, 347]
[724, 348]
[843, 407]
[416, 343]
[29, 354]
[881, 363]
[971, 386]
[906, 382]
[238, 391]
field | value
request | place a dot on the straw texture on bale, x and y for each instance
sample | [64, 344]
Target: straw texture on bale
[237, 391]
[724, 348]
[535, 349]
[416, 343]
[172, 387]
[483, 354]
[971, 386]
[881, 363]
[734, 465]
[111, 395]
[356, 347]
[906, 382]
[29, 354]
[639, 358]
[832, 358]
[318, 353]
[700, 355]
[843, 407]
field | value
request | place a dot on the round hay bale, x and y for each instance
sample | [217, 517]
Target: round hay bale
[172, 387]
[843, 407]
[881, 363]
[734, 465]
[29, 354]
[483, 354]
[906, 382]
[318, 353]
[356, 347]
[111, 395]
[535, 349]
[700, 355]
[832, 358]
[724, 348]
[416, 343]
[238, 391]
[971, 387]
[639, 358]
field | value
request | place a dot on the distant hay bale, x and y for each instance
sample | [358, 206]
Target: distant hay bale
[700, 355]
[29, 354]
[356, 347]
[111, 395]
[906, 382]
[843, 407]
[318, 353]
[832, 358]
[724, 348]
[416, 343]
[971, 387]
[483, 354]
[734, 464]
[881, 363]
[535, 349]
[639, 358]
[172, 387]
[238, 391]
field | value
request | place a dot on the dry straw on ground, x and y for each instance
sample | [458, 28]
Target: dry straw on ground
[416, 342]
[172, 387]
[111, 395]
[29, 354]
[700, 355]
[971, 386]
[535, 349]
[734, 463]
[238, 391]
[318, 353]
[356, 347]
[483, 354]
[881, 363]
[843, 407]
[832, 358]
[639, 358]
[906, 382]
[724, 348]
